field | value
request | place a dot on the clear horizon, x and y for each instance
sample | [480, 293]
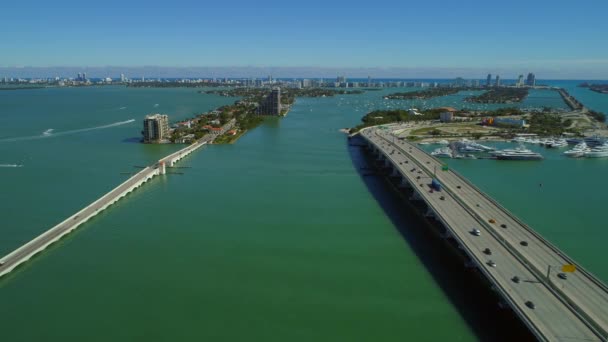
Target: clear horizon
[442, 39]
[275, 72]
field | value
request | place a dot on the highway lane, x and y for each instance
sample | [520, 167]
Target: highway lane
[581, 288]
[551, 318]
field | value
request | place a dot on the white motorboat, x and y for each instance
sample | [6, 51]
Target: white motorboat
[519, 153]
[578, 150]
[598, 152]
[558, 143]
[443, 152]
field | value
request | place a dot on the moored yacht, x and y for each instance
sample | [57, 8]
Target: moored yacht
[558, 143]
[443, 152]
[598, 151]
[578, 150]
[519, 153]
[594, 141]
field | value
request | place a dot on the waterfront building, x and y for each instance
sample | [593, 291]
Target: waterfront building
[156, 128]
[497, 84]
[369, 81]
[489, 80]
[271, 105]
[531, 80]
[447, 116]
[341, 79]
[520, 81]
[306, 83]
[122, 78]
[475, 83]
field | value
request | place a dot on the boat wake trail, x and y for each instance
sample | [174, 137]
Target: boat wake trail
[11, 165]
[50, 133]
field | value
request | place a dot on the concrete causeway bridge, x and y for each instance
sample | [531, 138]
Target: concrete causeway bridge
[515, 259]
[39, 243]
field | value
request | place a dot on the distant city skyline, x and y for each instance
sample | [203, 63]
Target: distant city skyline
[442, 39]
[118, 72]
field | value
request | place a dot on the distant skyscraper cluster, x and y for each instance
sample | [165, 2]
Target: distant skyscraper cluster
[82, 77]
[531, 80]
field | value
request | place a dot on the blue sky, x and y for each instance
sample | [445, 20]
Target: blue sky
[556, 36]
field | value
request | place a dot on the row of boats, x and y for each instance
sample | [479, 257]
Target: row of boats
[589, 147]
[583, 150]
[465, 149]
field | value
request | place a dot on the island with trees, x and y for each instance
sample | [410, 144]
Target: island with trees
[500, 95]
[291, 93]
[424, 94]
[598, 88]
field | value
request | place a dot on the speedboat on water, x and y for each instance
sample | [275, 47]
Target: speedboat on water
[598, 151]
[578, 150]
[443, 152]
[519, 153]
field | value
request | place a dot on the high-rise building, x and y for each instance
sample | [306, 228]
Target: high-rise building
[271, 105]
[122, 78]
[341, 79]
[489, 80]
[156, 128]
[269, 79]
[531, 80]
[520, 81]
[497, 84]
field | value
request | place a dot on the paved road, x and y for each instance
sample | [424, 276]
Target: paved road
[553, 317]
[24, 252]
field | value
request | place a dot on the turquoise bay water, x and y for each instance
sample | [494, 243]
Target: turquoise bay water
[274, 238]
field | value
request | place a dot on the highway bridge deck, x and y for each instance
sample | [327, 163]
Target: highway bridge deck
[569, 309]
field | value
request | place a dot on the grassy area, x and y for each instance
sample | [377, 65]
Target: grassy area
[229, 139]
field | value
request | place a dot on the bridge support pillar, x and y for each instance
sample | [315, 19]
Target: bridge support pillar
[162, 168]
[415, 197]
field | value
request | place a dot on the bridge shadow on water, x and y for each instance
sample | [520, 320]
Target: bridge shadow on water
[466, 289]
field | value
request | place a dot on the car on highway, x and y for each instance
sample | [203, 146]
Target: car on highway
[487, 251]
[491, 263]
[562, 276]
[530, 304]
[476, 232]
